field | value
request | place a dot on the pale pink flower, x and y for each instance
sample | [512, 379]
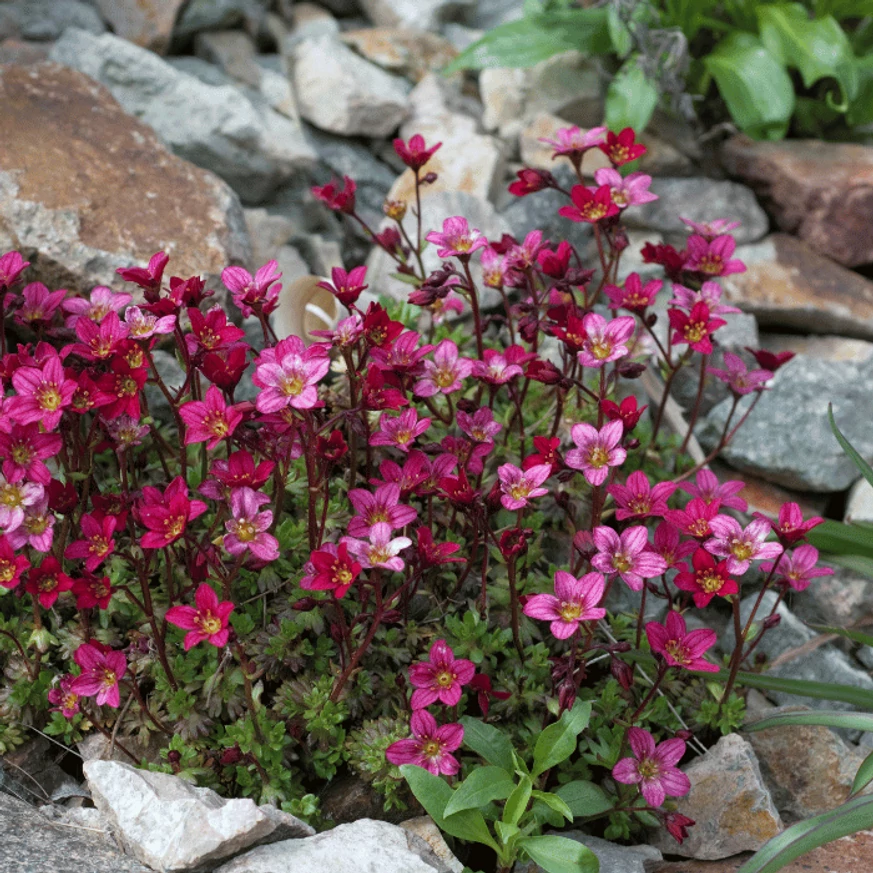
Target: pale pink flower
[382, 550]
[291, 380]
[143, 325]
[101, 302]
[440, 678]
[738, 377]
[574, 601]
[573, 142]
[711, 229]
[709, 489]
[36, 528]
[444, 373]
[797, 568]
[101, 671]
[375, 508]
[596, 450]
[457, 239]
[15, 497]
[630, 190]
[653, 767]
[399, 431]
[519, 486]
[430, 746]
[709, 293]
[604, 341]
[247, 529]
[210, 420]
[627, 555]
[259, 290]
[740, 546]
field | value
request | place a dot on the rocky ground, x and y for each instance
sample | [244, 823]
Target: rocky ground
[198, 127]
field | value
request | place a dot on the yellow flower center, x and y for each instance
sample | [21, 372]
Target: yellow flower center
[445, 679]
[109, 678]
[710, 582]
[695, 331]
[621, 562]
[570, 611]
[431, 749]
[444, 378]
[48, 397]
[209, 623]
[711, 264]
[601, 349]
[246, 531]
[740, 550]
[22, 454]
[293, 385]
[10, 495]
[216, 423]
[598, 457]
[174, 526]
[677, 651]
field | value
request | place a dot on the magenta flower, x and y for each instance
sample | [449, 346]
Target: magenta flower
[42, 394]
[741, 546]
[630, 190]
[399, 431]
[790, 526]
[638, 499]
[440, 678]
[250, 291]
[671, 547]
[694, 328]
[797, 568]
[495, 369]
[47, 582]
[208, 621]
[404, 355]
[37, 527]
[289, 380]
[572, 142]
[519, 486]
[481, 426]
[382, 550]
[430, 746]
[346, 286]
[210, 420]
[696, 519]
[383, 506]
[604, 341]
[635, 296]
[65, 700]
[712, 257]
[101, 302]
[680, 647]
[97, 543]
[101, 671]
[444, 373]
[626, 555]
[711, 229]
[12, 265]
[38, 304]
[11, 564]
[142, 325]
[167, 514]
[706, 579]
[707, 488]
[457, 239]
[653, 767]
[99, 341]
[24, 448]
[738, 377]
[574, 601]
[331, 569]
[148, 278]
[415, 154]
[247, 529]
[589, 205]
[709, 293]
[596, 451]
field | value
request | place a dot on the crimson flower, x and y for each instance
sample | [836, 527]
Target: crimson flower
[211, 332]
[546, 453]
[210, 420]
[148, 278]
[431, 554]
[346, 287]
[414, 154]
[208, 621]
[12, 565]
[626, 412]
[225, 370]
[706, 579]
[430, 746]
[440, 678]
[771, 361]
[481, 684]
[680, 647]
[333, 570]
[46, 582]
[589, 205]
[530, 181]
[65, 701]
[101, 671]
[381, 389]
[694, 328]
[677, 826]
[459, 490]
[634, 296]
[379, 329]
[620, 148]
[653, 767]
[166, 515]
[91, 591]
[790, 527]
[97, 543]
[237, 471]
[122, 387]
[336, 198]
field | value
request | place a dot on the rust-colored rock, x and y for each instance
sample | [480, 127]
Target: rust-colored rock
[148, 23]
[84, 188]
[852, 854]
[17, 51]
[790, 285]
[820, 191]
[411, 53]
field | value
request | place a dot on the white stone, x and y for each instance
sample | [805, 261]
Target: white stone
[419, 14]
[424, 827]
[860, 504]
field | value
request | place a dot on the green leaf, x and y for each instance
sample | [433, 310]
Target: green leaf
[552, 801]
[560, 855]
[853, 816]
[858, 697]
[535, 38]
[848, 633]
[842, 539]
[584, 798]
[818, 49]
[506, 831]
[864, 776]
[488, 742]
[754, 85]
[849, 449]
[515, 806]
[558, 741]
[631, 98]
[482, 786]
[434, 794]
[857, 721]
[619, 33]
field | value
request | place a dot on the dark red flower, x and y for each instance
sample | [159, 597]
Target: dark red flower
[620, 148]
[414, 154]
[546, 453]
[481, 684]
[430, 554]
[589, 206]
[530, 180]
[771, 361]
[379, 329]
[627, 411]
[332, 448]
[336, 198]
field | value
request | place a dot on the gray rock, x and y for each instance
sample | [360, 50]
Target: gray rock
[148, 23]
[172, 825]
[267, 233]
[729, 802]
[700, 199]
[48, 19]
[218, 15]
[859, 506]
[217, 128]
[418, 14]
[364, 846]
[835, 600]
[787, 439]
[490, 13]
[826, 348]
[462, 37]
[31, 844]
[338, 91]
[567, 84]
[424, 827]
[231, 50]
[612, 858]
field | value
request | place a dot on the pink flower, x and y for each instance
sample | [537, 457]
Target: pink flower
[670, 546]
[791, 527]
[638, 499]
[249, 292]
[332, 570]
[679, 647]
[375, 508]
[604, 341]
[12, 565]
[148, 278]
[694, 520]
[707, 488]
[797, 568]
[346, 287]
[42, 394]
[430, 746]
[15, 497]
[444, 373]
[519, 486]
[101, 302]
[694, 328]
[336, 198]
[142, 325]
[247, 529]
[620, 148]
[653, 767]
[441, 678]
[738, 377]
[741, 546]
[382, 550]
[39, 304]
[574, 601]
[24, 448]
[12, 265]
[65, 701]
[711, 229]
[709, 293]
[97, 543]
[37, 527]
[101, 671]
[626, 555]
[99, 341]
[712, 257]
[415, 154]
[399, 431]
[289, 380]
[596, 451]
[208, 621]
[589, 205]
[706, 579]
[210, 420]
[167, 515]
[495, 369]
[635, 296]
[630, 190]
[481, 426]
[572, 142]
[457, 239]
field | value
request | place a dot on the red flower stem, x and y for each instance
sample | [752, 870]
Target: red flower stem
[158, 636]
[662, 672]
[113, 739]
[134, 689]
[697, 401]
[474, 304]
[244, 664]
[33, 676]
[418, 222]
[642, 614]
[737, 655]
[362, 649]
[513, 605]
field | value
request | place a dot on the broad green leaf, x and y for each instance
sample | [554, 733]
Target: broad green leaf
[818, 49]
[489, 742]
[560, 855]
[861, 108]
[853, 816]
[558, 741]
[849, 449]
[857, 721]
[552, 801]
[631, 98]
[864, 776]
[482, 786]
[842, 539]
[584, 798]
[619, 34]
[533, 39]
[859, 697]
[506, 831]
[855, 636]
[434, 794]
[754, 85]
[516, 804]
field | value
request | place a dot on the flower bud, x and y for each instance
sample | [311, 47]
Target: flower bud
[395, 209]
[622, 672]
[305, 604]
[429, 178]
[772, 621]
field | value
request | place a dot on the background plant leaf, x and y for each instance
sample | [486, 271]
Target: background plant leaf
[558, 741]
[858, 721]
[584, 798]
[560, 855]
[631, 98]
[858, 697]
[489, 742]
[865, 469]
